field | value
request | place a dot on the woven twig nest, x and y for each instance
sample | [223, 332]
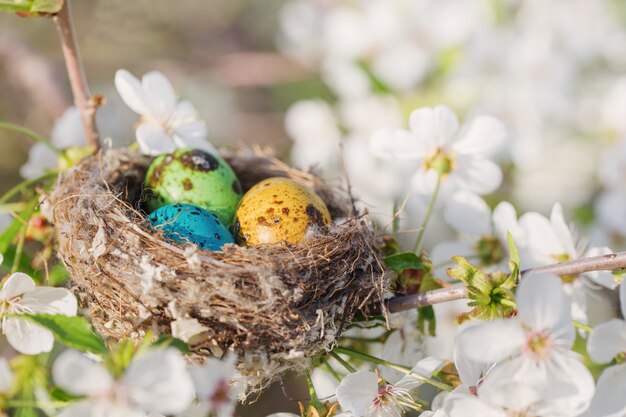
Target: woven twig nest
[275, 305]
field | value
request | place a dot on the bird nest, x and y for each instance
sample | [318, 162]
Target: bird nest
[276, 306]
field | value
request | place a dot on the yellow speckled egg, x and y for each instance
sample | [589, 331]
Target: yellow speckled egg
[278, 209]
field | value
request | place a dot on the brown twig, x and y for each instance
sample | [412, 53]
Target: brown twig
[86, 104]
[610, 262]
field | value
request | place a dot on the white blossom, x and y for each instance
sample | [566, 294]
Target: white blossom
[438, 147]
[483, 234]
[533, 348]
[166, 123]
[66, 133]
[20, 295]
[364, 394]
[551, 241]
[217, 387]
[155, 381]
[605, 342]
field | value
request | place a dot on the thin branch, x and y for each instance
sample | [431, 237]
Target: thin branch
[610, 262]
[86, 104]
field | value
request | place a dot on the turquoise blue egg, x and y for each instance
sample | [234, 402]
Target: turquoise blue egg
[186, 223]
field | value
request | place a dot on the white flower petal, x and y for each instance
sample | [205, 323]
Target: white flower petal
[470, 371]
[443, 252]
[484, 137]
[542, 305]
[68, 130]
[492, 341]
[78, 375]
[16, 285]
[468, 213]
[605, 278]
[158, 381]
[607, 340]
[283, 415]
[6, 376]
[357, 391]
[505, 220]
[476, 174]
[191, 130]
[49, 300]
[462, 405]
[543, 245]
[622, 297]
[27, 337]
[131, 91]
[101, 409]
[513, 395]
[610, 400]
[40, 159]
[212, 374]
[569, 385]
[185, 110]
[424, 367]
[153, 140]
[397, 144]
[435, 126]
[159, 94]
[562, 231]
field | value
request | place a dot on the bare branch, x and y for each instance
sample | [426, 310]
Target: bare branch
[610, 262]
[86, 104]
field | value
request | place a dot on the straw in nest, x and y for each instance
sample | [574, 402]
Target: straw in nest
[275, 305]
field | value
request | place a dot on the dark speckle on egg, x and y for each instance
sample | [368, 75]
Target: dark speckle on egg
[314, 214]
[187, 184]
[199, 160]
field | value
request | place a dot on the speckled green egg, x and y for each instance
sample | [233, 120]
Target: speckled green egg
[278, 209]
[193, 176]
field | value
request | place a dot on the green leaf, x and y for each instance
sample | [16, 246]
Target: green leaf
[73, 332]
[8, 236]
[427, 321]
[514, 260]
[403, 261]
[170, 341]
[469, 275]
[31, 6]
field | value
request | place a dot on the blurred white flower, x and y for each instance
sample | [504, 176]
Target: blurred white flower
[404, 346]
[6, 376]
[20, 295]
[613, 108]
[166, 124]
[313, 127]
[550, 240]
[435, 145]
[66, 133]
[610, 207]
[155, 381]
[483, 234]
[605, 342]
[499, 399]
[534, 348]
[612, 164]
[362, 394]
[216, 387]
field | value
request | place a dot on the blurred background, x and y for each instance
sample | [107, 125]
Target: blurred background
[306, 76]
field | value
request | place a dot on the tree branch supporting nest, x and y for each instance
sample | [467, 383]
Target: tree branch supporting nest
[86, 103]
[610, 262]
